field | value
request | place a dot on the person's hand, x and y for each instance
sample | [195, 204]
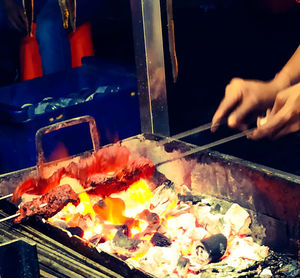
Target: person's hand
[16, 15]
[244, 98]
[284, 118]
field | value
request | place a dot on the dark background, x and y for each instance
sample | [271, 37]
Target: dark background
[219, 40]
[216, 40]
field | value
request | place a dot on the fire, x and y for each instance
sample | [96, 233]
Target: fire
[111, 210]
[95, 230]
[85, 206]
[156, 228]
[116, 209]
[137, 197]
[140, 192]
[139, 227]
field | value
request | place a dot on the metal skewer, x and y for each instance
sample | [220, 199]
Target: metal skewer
[6, 196]
[210, 145]
[191, 132]
[42, 205]
[10, 217]
[178, 136]
[18, 213]
[162, 142]
[11, 194]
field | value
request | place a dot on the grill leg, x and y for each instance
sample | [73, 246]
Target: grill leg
[18, 259]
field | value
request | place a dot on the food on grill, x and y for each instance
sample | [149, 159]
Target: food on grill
[108, 159]
[48, 204]
[105, 185]
[37, 185]
[163, 224]
[105, 160]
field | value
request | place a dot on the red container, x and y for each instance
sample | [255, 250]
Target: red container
[30, 60]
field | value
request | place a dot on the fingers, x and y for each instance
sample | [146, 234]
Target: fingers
[278, 124]
[267, 130]
[279, 103]
[219, 115]
[235, 120]
[232, 97]
[284, 117]
[293, 127]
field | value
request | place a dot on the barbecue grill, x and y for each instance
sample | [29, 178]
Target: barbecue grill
[271, 197]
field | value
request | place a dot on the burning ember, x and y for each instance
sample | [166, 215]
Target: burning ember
[118, 206]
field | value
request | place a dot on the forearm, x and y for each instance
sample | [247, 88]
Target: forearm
[290, 73]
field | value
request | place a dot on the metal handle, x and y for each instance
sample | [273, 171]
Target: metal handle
[67, 123]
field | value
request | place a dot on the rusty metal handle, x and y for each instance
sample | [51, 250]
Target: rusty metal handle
[67, 123]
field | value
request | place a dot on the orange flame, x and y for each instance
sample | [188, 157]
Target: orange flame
[111, 210]
[97, 217]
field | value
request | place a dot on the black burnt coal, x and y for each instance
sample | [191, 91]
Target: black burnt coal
[190, 198]
[123, 241]
[182, 262]
[151, 217]
[76, 231]
[215, 246]
[160, 240]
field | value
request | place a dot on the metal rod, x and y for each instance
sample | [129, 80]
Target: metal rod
[180, 135]
[18, 214]
[10, 217]
[87, 189]
[42, 205]
[6, 196]
[207, 146]
[191, 132]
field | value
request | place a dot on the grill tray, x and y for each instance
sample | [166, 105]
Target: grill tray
[271, 197]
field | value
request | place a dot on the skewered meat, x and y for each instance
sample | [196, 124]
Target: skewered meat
[108, 159]
[105, 185]
[112, 158]
[38, 186]
[48, 204]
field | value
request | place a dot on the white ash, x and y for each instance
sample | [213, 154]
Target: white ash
[246, 248]
[197, 233]
[106, 247]
[162, 198]
[183, 221]
[178, 210]
[266, 273]
[238, 219]
[163, 258]
[192, 224]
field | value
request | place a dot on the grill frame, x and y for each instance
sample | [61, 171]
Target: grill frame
[233, 178]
